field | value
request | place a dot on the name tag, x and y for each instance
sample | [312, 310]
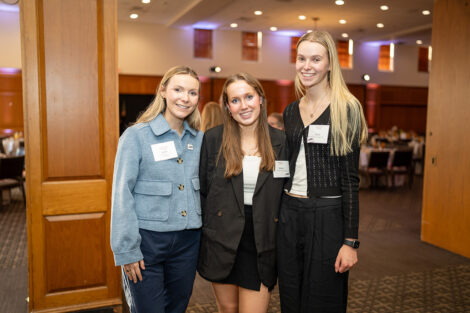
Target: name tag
[190, 146]
[164, 151]
[281, 169]
[318, 134]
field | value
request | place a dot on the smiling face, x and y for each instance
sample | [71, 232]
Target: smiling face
[312, 64]
[182, 96]
[244, 103]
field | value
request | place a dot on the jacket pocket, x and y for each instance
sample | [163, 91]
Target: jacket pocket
[153, 199]
[197, 196]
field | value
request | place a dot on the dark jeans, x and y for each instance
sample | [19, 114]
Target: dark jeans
[310, 234]
[170, 267]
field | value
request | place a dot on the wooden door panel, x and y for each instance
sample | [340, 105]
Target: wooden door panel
[446, 190]
[71, 68]
[71, 129]
[82, 196]
[75, 251]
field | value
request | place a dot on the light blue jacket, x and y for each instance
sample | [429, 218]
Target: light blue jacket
[153, 195]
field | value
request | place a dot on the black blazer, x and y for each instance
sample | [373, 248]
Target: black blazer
[223, 211]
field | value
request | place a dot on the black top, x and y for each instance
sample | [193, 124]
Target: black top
[327, 175]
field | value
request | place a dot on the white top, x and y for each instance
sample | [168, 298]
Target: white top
[299, 182]
[250, 176]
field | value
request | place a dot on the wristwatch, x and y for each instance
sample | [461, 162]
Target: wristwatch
[352, 243]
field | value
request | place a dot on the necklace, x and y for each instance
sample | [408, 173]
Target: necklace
[317, 108]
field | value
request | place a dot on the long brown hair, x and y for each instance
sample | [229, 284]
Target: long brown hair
[231, 139]
[159, 104]
[347, 118]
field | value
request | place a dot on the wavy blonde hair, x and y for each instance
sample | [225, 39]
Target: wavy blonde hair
[347, 118]
[158, 105]
[211, 115]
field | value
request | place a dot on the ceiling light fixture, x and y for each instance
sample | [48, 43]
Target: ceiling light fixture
[258, 12]
[366, 77]
[380, 25]
[419, 42]
[145, 1]
[426, 12]
[384, 7]
[342, 21]
[133, 15]
[302, 17]
[339, 2]
[273, 28]
[309, 31]
[344, 35]
[234, 25]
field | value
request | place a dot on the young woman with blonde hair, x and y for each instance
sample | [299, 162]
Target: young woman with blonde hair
[318, 230]
[156, 212]
[241, 193]
[211, 116]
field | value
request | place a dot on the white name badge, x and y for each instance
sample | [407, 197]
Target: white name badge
[281, 169]
[318, 134]
[164, 151]
[190, 146]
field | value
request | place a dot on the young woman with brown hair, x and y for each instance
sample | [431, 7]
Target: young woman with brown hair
[241, 193]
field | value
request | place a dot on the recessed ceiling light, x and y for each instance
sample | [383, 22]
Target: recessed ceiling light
[342, 21]
[309, 31]
[339, 2]
[302, 17]
[344, 35]
[258, 12]
[234, 25]
[133, 16]
[426, 12]
[384, 7]
[419, 42]
[273, 28]
[380, 25]
[366, 77]
[145, 1]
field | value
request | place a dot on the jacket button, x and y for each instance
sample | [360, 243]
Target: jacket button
[183, 213]
[219, 213]
[181, 187]
[180, 160]
[276, 220]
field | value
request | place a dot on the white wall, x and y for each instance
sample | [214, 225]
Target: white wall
[150, 49]
[10, 42]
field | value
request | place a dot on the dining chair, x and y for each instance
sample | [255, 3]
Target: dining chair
[11, 175]
[378, 162]
[402, 163]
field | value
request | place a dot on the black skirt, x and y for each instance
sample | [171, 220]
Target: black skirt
[244, 272]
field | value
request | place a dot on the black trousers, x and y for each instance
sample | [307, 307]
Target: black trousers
[310, 234]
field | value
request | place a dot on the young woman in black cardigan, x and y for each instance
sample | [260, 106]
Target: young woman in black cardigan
[318, 230]
[242, 169]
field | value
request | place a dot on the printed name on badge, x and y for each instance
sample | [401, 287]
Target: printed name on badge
[164, 151]
[281, 169]
[318, 134]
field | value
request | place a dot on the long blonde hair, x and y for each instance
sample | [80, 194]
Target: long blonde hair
[211, 115]
[347, 118]
[231, 139]
[158, 105]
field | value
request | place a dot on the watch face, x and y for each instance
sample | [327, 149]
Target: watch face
[356, 244]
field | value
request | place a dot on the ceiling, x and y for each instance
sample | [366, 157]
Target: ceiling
[403, 21]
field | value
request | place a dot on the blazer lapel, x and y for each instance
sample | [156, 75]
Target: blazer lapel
[262, 176]
[237, 185]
